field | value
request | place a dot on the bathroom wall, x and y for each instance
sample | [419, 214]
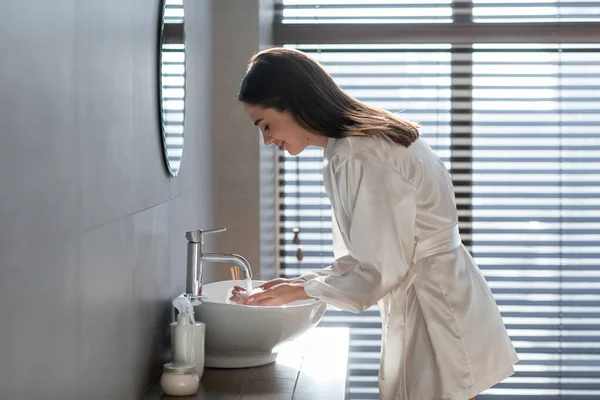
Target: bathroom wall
[244, 171]
[92, 243]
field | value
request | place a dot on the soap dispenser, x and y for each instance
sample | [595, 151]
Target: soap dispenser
[182, 332]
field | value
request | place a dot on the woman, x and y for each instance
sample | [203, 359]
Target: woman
[396, 236]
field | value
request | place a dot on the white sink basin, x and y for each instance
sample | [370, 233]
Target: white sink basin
[240, 336]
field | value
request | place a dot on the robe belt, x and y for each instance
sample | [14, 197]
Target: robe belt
[441, 242]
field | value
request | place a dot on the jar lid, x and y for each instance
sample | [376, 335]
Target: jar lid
[179, 368]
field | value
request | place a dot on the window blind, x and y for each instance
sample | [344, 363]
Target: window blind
[434, 11]
[521, 11]
[535, 192]
[357, 11]
[518, 125]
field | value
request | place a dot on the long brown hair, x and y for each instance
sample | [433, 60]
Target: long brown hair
[289, 80]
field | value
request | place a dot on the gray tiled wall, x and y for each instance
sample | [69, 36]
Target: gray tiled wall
[92, 243]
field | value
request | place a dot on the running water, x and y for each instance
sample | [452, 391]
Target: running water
[242, 297]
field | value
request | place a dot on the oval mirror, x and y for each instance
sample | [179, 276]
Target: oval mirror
[172, 81]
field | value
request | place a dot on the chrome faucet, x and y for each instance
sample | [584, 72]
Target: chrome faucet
[196, 257]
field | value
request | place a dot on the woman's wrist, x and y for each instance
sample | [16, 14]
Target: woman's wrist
[302, 292]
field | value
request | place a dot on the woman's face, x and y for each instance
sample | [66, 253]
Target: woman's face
[281, 129]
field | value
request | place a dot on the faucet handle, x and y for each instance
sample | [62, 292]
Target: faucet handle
[196, 236]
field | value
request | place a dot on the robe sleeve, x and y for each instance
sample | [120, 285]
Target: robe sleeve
[339, 251]
[380, 205]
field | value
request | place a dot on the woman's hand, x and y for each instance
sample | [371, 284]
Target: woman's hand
[272, 293]
[283, 291]
[279, 281]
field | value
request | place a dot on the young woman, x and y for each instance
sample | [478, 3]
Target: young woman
[396, 235]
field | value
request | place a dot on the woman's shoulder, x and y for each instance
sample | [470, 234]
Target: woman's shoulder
[340, 150]
[407, 161]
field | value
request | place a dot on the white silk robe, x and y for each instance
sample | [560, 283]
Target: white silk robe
[396, 243]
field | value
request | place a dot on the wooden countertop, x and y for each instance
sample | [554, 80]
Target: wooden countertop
[312, 367]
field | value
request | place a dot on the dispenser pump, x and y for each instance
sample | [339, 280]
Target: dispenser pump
[185, 310]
